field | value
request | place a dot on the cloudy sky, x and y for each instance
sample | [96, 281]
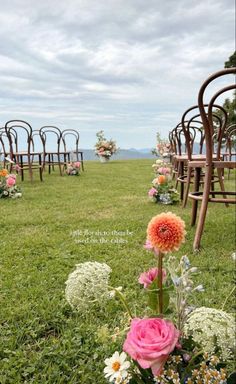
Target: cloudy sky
[130, 67]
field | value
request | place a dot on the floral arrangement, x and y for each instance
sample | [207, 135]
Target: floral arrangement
[104, 148]
[162, 190]
[175, 343]
[163, 147]
[73, 168]
[8, 187]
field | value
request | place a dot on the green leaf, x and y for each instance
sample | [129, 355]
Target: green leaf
[153, 300]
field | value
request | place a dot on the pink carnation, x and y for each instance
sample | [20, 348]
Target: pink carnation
[152, 192]
[10, 181]
[150, 342]
[146, 278]
[164, 170]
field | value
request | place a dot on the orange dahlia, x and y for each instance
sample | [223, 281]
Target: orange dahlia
[161, 179]
[3, 172]
[166, 232]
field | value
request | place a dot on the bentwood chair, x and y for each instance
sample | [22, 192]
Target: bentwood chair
[19, 134]
[230, 145]
[182, 148]
[211, 162]
[200, 155]
[70, 139]
[51, 137]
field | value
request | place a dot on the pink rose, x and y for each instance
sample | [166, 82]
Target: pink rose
[10, 181]
[146, 278]
[152, 192]
[150, 342]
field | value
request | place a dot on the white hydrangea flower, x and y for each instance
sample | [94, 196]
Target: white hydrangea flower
[87, 284]
[213, 329]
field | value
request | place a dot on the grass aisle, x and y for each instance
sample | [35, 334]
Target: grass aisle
[42, 339]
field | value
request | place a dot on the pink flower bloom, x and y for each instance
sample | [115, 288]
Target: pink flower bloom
[12, 175]
[164, 170]
[17, 167]
[152, 192]
[77, 164]
[10, 181]
[150, 342]
[146, 278]
[148, 246]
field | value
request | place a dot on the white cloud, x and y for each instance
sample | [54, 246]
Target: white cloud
[122, 66]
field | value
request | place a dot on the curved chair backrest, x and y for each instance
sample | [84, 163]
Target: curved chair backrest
[180, 139]
[36, 139]
[4, 141]
[195, 115]
[48, 131]
[74, 135]
[207, 111]
[19, 133]
[230, 135]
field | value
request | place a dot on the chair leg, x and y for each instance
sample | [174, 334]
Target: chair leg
[188, 181]
[221, 181]
[177, 175]
[213, 184]
[40, 168]
[196, 189]
[182, 182]
[203, 210]
[49, 163]
[21, 166]
[59, 164]
[82, 161]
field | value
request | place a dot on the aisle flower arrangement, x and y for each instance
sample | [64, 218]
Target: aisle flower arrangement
[162, 190]
[163, 148]
[104, 148]
[176, 343]
[8, 187]
[73, 168]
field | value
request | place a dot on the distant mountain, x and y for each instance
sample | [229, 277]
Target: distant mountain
[122, 154]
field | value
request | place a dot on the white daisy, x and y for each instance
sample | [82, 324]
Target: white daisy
[116, 366]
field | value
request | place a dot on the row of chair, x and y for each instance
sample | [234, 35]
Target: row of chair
[35, 149]
[202, 146]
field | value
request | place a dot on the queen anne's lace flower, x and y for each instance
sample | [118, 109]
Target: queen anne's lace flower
[213, 329]
[87, 284]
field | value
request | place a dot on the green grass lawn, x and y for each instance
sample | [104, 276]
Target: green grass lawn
[42, 339]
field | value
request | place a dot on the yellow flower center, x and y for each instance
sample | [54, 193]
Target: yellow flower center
[116, 366]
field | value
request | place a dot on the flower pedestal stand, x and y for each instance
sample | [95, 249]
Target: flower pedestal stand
[104, 159]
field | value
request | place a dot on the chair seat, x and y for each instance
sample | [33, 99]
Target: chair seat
[216, 164]
[194, 157]
[24, 153]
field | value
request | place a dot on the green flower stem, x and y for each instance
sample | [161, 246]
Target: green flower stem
[190, 363]
[160, 284]
[123, 301]
[227, 298]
